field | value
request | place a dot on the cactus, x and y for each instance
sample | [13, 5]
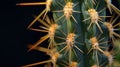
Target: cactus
[79, 32]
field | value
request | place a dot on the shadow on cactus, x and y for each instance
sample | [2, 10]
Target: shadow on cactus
[79, 33]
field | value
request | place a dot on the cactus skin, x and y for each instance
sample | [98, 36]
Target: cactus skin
[78, 34]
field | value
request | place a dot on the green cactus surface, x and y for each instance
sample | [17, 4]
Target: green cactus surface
[79, 32]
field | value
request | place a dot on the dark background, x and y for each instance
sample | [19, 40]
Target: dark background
[14, 37]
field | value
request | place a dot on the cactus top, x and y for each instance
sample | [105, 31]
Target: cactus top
[48, 4]
[94, 66]
[93, 15]
[52, 30]
[94, 42]
[53, 54]
[73, 64]
[55, 57]
[70, 39]
[68, 9]
[109, 56]
[110, 28]
[108, 1]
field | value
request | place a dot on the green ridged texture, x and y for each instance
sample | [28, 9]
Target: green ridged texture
[84, 59]
[79, 50]
[84, 35]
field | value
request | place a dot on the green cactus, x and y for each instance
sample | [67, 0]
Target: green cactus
[79, 33]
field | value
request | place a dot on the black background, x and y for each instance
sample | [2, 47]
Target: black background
[14, 37]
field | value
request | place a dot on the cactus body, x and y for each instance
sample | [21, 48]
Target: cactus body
[78, 34]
